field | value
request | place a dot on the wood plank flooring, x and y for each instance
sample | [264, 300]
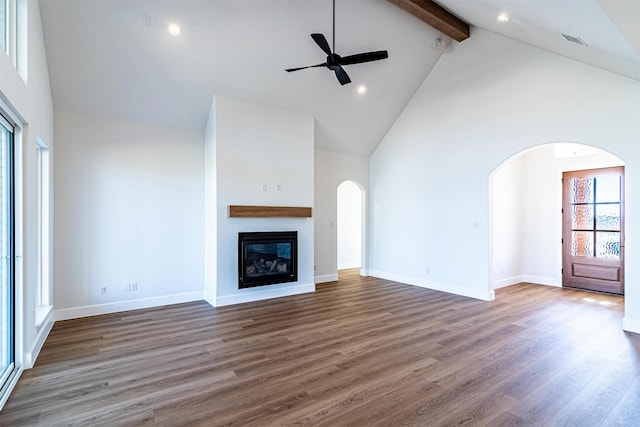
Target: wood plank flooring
[359, 352]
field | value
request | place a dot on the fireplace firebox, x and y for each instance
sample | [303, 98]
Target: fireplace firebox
[267, 258]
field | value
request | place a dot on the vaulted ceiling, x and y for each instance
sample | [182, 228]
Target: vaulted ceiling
[116, 57]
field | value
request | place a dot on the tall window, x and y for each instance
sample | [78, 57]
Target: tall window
[4, 17]
[43, 303]
[8, 28]
[6, 252]
[3, 24]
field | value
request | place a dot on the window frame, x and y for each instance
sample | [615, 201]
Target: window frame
[43, 292]
[11, 273]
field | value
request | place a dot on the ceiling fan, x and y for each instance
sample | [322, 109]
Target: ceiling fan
[334, 61]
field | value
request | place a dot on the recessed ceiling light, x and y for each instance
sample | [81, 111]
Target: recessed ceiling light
[565, 150]
[174, 29]
[503, 17]
[362, 89]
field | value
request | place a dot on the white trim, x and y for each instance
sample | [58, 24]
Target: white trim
[437, 286]
[114, 307]
[31, 356]
[542, 280]
[364, 272]
[43, 187]
[18, 301]
[631, 325]
[210, 297]
[326, 278]
[262, 295]
[5, 122]
[508, 281]
[42, 312]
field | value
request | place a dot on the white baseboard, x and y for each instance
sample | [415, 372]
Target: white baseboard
[114, 307]
[508, 281]
[364, 272]
[484, 295]
[210, 297]
[348, 265]
[30, 357]
[326, 278]
[537, 280]
[542, 280]
[262, 295]
[631, 325]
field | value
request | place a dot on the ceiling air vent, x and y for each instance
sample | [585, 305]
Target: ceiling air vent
[576, 40]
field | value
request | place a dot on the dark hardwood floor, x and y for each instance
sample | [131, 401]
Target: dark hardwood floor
[360, 352]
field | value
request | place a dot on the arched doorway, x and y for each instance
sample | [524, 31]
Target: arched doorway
[350, 225]
[525, 211]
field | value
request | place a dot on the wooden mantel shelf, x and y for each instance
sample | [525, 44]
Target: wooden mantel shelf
[236, 211]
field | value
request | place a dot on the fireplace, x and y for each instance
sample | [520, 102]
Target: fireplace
[267, 258]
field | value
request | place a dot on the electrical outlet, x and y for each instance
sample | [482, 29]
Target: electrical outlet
[103, 290]
[131, 287]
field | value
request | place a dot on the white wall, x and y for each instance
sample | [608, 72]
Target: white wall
[506, 195]
[332, 169]
[350, 200]
[487, 99]
[129, 209]
[526, 205]
[255, 146]
[30, 104]
[210, 208]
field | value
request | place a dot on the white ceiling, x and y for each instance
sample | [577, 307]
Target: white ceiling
[115, 57]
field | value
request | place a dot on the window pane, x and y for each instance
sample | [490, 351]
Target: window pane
[582, 243]
[582, 190]
[6, 256]
[3, 24]
[608, 217]
[582, 217]
[607, 245]
[608, 189]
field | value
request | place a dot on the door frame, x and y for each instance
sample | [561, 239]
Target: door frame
[592, 283]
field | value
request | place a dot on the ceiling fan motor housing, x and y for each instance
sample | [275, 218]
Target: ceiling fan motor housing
[333, 61]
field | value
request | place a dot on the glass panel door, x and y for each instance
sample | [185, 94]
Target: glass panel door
[6, 252]
[593, 229]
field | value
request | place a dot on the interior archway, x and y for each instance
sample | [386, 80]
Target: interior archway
[350, 220]
[525, 217]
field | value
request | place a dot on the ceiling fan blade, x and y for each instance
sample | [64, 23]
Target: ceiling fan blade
[322, 42]
[359, 58]
[288, 70]
[342, 76]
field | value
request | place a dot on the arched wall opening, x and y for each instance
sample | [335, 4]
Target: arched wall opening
[525, 211]
[350, 225]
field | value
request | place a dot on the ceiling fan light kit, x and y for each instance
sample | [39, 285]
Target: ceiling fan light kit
[334, 62]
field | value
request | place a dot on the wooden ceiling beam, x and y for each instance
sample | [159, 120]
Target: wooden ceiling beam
[436, 16]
